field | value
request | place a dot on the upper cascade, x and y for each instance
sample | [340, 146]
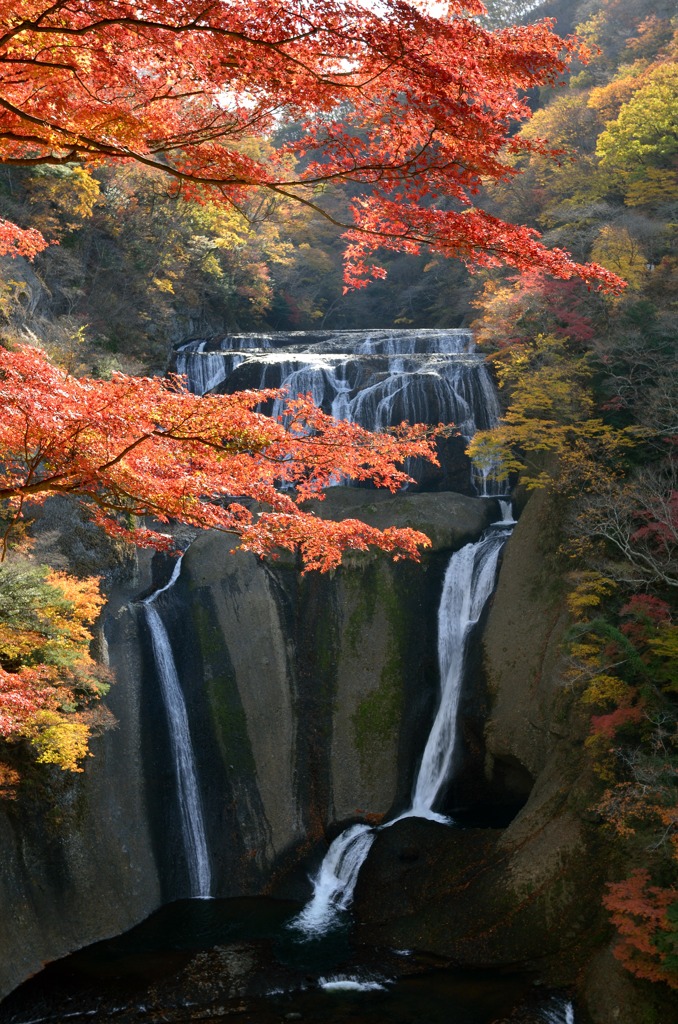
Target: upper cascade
[206, 363]
[376, 378]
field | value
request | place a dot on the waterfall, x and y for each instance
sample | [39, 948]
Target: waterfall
[188, 793]
[506, 514]
[381, 392]
[468, 583]
[561, 1012]
[334, 885]
[376, 379]
[204, 365]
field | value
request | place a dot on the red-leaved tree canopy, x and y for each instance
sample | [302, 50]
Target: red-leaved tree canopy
[414, 110]
[138, 446]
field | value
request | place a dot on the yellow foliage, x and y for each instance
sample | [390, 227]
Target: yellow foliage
[586, 650]
[605, 690]
[657, 185]
[590, 592]
[617, 250]
[224, 223]
[58, 740]
[550, 415]
[592, 29]
[45, 620]
[163, 284]
[665, 646]
[210, 264]
[17, 644]
[62, 197]
[86, 192]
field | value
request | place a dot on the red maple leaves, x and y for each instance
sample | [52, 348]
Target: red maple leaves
[646, 917]
[414, 111]
[146, 447]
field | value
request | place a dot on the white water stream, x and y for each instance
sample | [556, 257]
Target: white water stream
[560, 1013]
[376, 379]
[188, 793]
[468, 583]
[205, 365]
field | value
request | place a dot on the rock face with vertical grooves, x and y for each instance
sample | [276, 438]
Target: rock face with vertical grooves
[527, 894]
[79, 866]
[297, 687]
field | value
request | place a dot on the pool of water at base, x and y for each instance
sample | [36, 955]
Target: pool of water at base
[215, 960]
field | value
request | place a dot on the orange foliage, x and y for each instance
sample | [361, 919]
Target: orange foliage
[607, 100]
[404, 105]
[640, 913]
[135, 446]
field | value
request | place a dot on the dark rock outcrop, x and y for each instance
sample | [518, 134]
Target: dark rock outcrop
[527, 895]
[532, 893]
[311, 695]
[77, 864]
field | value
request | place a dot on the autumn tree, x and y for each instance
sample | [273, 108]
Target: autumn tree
[49, 683]
[141, 447]
[411, 112]
[416, 110]
[646, 917]
[139, 452]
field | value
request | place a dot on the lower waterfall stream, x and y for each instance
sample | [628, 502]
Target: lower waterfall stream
[468, 583]
[187, 788]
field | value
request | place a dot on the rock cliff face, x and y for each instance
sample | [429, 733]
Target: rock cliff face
[310, 698]
[512, 895]
[311, 695]
[78, 865]
[527, 895]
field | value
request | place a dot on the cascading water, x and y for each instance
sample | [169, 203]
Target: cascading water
[205, 364]
[334, 885]
[468, 583]
[376, 380]
[561, 1012]
[506, 514]
[188, 792]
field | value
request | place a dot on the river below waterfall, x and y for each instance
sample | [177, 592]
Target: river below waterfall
[199, 960]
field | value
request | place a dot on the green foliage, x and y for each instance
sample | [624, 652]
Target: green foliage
[49, 684]
[646, 130]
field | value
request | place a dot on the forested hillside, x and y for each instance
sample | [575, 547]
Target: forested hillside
[590, 386]
[136, 265]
